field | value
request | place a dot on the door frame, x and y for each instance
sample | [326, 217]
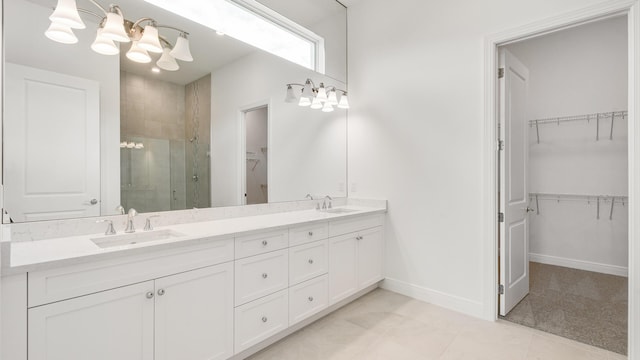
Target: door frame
[242, 148]
[630, 8]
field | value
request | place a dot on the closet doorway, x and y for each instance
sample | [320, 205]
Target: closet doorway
[256, 138]
[563, 180]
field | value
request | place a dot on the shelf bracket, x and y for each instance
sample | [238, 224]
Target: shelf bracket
[613, 201]
[598, 209]
[598, 127]
[537, 132]
[613, 115]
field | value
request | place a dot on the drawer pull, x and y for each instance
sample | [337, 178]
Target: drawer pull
[265, 243]
[150, 295]
[310, 261]
[264, 275]
[310, 233]
[264, 319]
[160, 292]
[310, 298]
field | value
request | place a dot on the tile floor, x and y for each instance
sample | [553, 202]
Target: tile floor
[385, 325]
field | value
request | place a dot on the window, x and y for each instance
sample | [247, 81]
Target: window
[256, 25]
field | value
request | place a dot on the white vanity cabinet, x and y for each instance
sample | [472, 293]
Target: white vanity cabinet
[355, 258]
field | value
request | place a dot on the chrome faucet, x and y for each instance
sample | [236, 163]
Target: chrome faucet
[324, 203]
[120, 209]
[147, 224]
[309, 196]
[110, 230]
[130, 227]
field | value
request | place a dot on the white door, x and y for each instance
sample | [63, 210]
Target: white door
[194, 314]
[114, 324]
[51, 145]
[343, 267]
[514, 192]
[369, 257]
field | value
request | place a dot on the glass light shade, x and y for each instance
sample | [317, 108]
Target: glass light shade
[344, 102]
[139, 146]
[138, 54]
[307, 91]
[123, 144]
[167, 62]
[66, 13]
[332, 98]
[131, 145]
[149, 40]
[322, 93]
[316, 104]
[103, 45]
[181, 50]
[327, 107]
[61, 33]
[291, 97]
[304, 101]
[114, 28]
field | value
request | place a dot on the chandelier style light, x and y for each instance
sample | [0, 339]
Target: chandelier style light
[321, 97]
[115, 28]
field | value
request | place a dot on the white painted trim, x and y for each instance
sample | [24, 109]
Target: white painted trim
[447, 301]
[579, 264]
[489, 159]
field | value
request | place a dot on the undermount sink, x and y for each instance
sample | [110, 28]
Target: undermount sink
[135, 238]
[339, 210]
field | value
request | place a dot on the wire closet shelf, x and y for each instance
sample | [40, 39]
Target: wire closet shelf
[597, 117]
[598, 200]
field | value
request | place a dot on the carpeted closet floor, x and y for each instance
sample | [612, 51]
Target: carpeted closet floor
[581, 305]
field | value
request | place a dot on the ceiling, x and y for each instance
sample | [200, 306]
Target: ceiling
[210, 51]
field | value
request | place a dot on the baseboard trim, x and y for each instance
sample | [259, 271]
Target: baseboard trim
[448, 301]
[579, 264]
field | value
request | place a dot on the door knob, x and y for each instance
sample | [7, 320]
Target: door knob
[528, 209]
[93, 201]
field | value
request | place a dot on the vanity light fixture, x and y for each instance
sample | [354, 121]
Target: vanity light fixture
[131, 145]
[113, 27]
[320, 97]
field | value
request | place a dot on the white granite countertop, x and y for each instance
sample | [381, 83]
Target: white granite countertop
[25, 256]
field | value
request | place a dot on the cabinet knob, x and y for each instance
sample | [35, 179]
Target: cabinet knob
[359, 238]
[264, 319]
[160, 292]
[310, 298]
[150, 295]
[264, 275]
[264, 243]
[310, 261]
[310, 233]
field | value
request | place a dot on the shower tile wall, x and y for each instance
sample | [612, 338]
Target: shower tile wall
[152, 112]
[198, 192]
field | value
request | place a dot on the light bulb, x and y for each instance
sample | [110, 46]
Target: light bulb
[181, 50]
[114, 28]
[149, 40]
[167, 62]
[304, 101]
[322, 93]
[66, 13]
[333, 98]
[137, 54]
[344, 101]
[61, 33]
[103, 45]
[327, 107]
[316, 104]
[131, 145]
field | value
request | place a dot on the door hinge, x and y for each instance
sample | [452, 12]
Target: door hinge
[500, 144]
[500, 73]
[500, 217]
[501, 289]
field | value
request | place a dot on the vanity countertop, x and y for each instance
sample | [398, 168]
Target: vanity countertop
[25, 256]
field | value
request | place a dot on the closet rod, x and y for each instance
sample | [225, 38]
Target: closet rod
[587, 117]
[578, 197]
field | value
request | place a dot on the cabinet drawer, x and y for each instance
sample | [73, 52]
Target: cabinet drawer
[308, 261]
[308, 298]
[260, 319]
[47, 286]
[261, 275]
[340, 227]
[261, 243]
[309, 233]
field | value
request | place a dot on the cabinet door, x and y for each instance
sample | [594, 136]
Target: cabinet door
[343, 280]
[114, 324]
[369, 257]
[194, 314]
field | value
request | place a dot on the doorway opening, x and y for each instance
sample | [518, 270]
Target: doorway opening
[563, 171]
[256, 139]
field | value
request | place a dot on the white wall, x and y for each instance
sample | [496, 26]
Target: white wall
[306, 147]
[578, 71]
[26, 44]
[416, 81]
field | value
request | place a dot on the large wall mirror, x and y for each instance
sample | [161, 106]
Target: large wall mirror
[88, 132]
